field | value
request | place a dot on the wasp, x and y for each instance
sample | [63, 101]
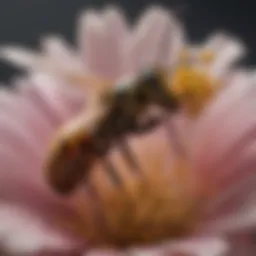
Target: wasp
[117, 113]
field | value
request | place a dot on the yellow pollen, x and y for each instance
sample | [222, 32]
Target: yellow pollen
[144, 210]
[193, 86]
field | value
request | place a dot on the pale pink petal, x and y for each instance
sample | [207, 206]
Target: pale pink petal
[105, 252]
[242, 244]
[39, 62]
[101, 40]
[236, 132]
[228, 50]
[20, 56]
[233, 123]
[201, 246]
[242, 219]
[23, 234]
[151, 251]
[22, 181]
[24, 141]
[234, 206]
[212, 246]
[56, 47]
[238, 87]
[239, 167]
[64, 106]
[118, 35]
[23, 138]
[156, 40]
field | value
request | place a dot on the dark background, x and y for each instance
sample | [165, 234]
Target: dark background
[25, 21]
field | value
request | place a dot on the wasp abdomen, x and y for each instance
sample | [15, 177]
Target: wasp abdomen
[68, 165]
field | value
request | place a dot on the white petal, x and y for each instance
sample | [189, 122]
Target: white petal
[242, 244]
[237, 187]
[101, 40]
[117, 33]
[202, 246]
[104, 253]
[212, 246]
[225, 107]
[244, 218]
[56, 48]
[21, 57]
[39, 62]
[23, 234]
[155, 41]
[228, 50]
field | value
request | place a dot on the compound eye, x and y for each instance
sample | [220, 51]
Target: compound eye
[150, 77]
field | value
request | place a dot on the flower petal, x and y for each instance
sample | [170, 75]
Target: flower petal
[20, 56]
[56, 47]
[212, 246]
[24, 142]
[61, 100]
[23, 234]
[40, 62]
[235, 219]
[229, 50]
[156, 40]
[104, 253]
[236, 103]
[101, 38]
[242, 244]
[205, 246]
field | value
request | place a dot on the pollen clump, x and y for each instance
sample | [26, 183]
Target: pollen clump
[193, 87]
[191, 80]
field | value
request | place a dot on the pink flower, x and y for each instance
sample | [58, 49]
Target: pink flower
[197, 191]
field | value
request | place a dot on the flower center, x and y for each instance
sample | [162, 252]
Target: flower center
[123, 208]
[142, 209]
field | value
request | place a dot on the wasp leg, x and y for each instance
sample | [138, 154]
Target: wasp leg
[128, 155]
[109, 167]
[136, 128]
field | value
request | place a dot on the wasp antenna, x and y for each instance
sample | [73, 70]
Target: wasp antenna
[112, 171]
[128, 155]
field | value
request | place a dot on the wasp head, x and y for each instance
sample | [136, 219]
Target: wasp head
[153, 88]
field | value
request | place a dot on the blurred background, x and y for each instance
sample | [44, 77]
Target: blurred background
[25, 21]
